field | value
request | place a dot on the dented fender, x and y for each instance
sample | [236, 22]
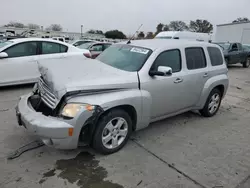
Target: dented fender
[140, 100]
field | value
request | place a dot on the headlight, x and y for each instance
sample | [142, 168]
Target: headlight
[70, 110]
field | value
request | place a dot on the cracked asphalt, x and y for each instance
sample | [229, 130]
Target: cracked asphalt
[185, 151]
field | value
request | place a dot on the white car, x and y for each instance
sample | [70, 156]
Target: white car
[19, 57]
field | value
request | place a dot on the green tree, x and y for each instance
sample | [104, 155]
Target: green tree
[178, 26]
[166, 28]
[159, 28]
[150, 35]
[201, 26]
[33, 26]
[15, 24]
[141, 35]
[115, 34]
[243, 19]
[55, 27]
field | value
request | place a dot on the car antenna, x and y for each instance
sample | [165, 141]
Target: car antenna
[129, 41]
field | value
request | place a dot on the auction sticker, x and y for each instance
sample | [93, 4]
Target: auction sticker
[139, 50]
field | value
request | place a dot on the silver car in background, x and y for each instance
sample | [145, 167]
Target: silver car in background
[100, 102]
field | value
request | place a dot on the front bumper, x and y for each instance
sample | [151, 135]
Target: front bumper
[52, 131]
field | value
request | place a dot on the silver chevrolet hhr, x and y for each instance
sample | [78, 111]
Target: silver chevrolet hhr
[101, 102]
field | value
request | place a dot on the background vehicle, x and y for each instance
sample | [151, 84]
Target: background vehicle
[95, 48]
[18, 58]
[184, 35]
[127, 87]
[77, 43]
[62, 39]
[235, 53]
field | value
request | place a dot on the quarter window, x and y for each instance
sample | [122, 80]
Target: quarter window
[22, 49]
[52, 48]
[195, 58]
[171, 58]
[215, 56]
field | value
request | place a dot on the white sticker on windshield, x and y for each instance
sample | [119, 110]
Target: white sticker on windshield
[139, 50]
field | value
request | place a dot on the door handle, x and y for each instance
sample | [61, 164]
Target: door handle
[178, 80]
[205, 75]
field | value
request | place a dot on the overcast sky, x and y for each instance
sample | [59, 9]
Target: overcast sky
[125, 15]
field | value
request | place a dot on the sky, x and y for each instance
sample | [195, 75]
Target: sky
[124, 15]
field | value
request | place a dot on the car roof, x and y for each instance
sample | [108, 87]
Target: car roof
[18, 40]
[154, 44]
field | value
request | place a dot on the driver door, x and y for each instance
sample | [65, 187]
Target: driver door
[170, 93]
[234, 54]
[21, 64]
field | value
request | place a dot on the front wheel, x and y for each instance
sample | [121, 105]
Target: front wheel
[112, 132]
[246, 63]
[212, 104]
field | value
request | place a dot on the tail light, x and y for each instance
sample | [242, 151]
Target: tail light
[88, 55]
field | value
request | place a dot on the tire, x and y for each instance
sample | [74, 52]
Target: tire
[108, 137]
[207, 110]
[246, 63]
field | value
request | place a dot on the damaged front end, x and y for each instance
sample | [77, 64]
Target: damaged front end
[45, 102]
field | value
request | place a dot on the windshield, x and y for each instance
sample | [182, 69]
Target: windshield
[224, 46]
[125, 57]
[2, 44]
[85, 45]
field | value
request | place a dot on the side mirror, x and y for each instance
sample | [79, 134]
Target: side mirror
[161, 71]
[3, 55]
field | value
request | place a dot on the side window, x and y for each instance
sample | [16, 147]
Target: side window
[195, 58]
[63, 48]
[105, 46]
[215, 56]
[53, 48]
[234, 47]
[171, 58]
[22, 49]
[97, 48]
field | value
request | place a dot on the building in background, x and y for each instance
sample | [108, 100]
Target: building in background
[233, 32]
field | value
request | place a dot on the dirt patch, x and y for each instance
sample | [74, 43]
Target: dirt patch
[84, 170]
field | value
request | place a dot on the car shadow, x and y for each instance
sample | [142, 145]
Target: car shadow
[168, 123]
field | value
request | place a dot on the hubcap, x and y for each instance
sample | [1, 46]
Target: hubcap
[114, 133]
[214, 103]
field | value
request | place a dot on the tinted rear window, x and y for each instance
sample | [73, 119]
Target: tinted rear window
[215, 56]
[195, 58]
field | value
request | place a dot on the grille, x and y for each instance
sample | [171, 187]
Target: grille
[47, 95]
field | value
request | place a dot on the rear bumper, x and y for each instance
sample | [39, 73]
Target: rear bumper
[52, 131]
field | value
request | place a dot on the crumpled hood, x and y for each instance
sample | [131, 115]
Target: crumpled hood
[78, 74]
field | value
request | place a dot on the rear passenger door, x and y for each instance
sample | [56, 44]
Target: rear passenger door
[197, 72]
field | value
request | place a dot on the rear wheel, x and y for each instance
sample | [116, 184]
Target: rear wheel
[212, 104]
[112, 132]
[246, 63]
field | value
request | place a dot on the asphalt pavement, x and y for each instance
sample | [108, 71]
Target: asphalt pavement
[185, 151]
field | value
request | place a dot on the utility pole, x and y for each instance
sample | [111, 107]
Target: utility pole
[81, 30]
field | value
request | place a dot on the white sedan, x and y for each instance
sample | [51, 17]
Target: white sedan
[19, 57]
